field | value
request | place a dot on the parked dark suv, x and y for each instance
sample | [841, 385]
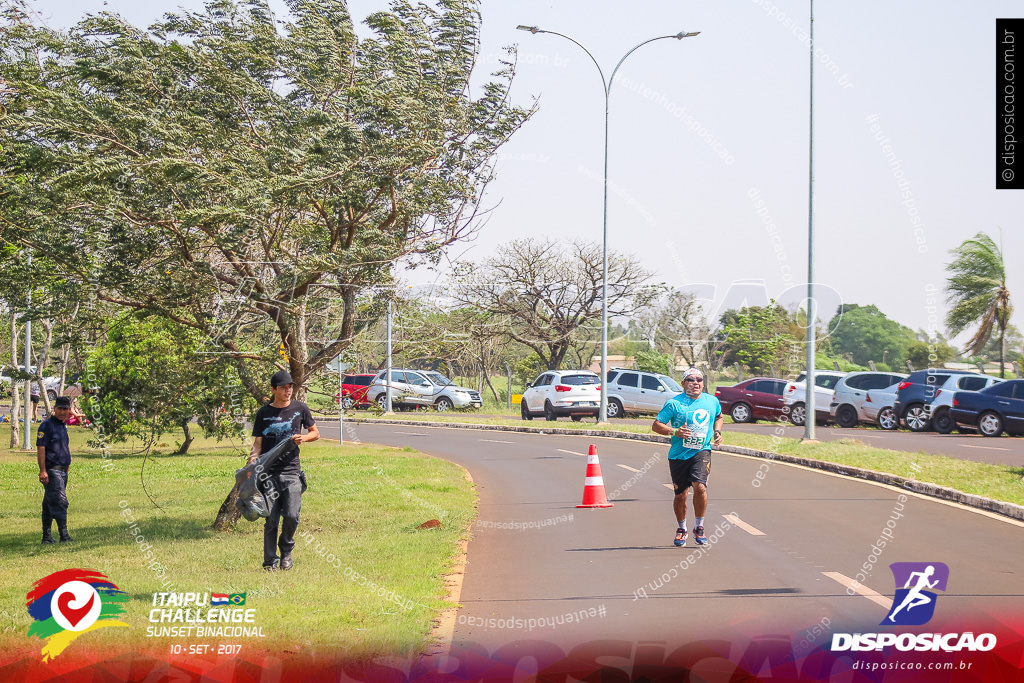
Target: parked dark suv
[915, 394]
[992, 410]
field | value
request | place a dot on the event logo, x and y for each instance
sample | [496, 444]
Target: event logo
[71, 602]
[701, 416]
[914, 604]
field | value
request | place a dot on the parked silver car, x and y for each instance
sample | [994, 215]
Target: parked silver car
[847, 407]
[634, 391]
[878, 407]
[416, 388]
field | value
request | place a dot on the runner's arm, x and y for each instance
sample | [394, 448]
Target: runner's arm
[256, 444]
[665, 430]
[312, 434]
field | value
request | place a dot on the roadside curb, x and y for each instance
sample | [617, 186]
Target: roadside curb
[1011, 510]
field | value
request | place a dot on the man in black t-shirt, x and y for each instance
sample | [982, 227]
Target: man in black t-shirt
[54, 456]
[283, 482]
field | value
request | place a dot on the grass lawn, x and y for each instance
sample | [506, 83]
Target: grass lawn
[999, 482]
[366, 580]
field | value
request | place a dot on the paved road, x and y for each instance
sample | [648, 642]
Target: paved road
[777, 568]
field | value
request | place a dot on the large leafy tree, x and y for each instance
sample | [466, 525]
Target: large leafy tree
[758, 337]
[977, 292]
[147, 380]
[221, 167]
[546, 295]
[864, 333]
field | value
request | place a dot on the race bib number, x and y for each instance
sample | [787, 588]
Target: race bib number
[698, 423]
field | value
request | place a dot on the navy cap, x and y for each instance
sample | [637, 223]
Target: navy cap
[62, 402]
[280, 378]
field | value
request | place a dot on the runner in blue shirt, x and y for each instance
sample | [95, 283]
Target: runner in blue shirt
[687, 418]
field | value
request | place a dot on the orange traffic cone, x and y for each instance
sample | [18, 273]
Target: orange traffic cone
[593, 486]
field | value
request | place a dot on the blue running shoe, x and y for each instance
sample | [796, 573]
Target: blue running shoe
[680, 537]
[698, 535]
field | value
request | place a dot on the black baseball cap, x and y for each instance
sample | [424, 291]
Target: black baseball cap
[62, 402]
[280, 378]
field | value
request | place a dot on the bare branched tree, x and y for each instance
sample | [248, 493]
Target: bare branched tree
[547, 293]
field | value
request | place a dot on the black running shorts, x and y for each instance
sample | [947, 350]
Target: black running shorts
[686, 472]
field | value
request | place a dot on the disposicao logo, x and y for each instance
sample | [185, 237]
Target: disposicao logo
[913, 605]
[71, 602]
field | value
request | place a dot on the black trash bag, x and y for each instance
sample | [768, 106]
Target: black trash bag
[252, 501]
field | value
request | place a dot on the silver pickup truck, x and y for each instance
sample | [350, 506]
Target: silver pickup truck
[415, 388]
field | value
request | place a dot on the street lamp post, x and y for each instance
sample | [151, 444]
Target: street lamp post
[810, 402]
[603, 414]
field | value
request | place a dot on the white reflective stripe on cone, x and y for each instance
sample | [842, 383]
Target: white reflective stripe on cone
[594, 481]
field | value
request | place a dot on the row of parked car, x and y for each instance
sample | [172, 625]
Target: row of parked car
[934, 399]
[577, 393]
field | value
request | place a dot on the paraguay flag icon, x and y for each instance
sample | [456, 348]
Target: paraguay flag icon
[69, 603]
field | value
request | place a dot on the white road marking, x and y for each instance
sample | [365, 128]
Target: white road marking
[496, 441]
[670, 487]
[856, 587]
[412, 433]
[987, 448]
[562, 450]
[743, 525]
[627, 467]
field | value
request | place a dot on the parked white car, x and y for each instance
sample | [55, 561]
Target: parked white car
[51, 384]
[634, 391]
[794, 396]
[850, 393]
[576, 393]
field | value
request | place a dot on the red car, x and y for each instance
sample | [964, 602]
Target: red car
[754, 399]
[353, 391]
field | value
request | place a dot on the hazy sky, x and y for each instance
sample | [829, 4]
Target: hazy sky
[709, 141]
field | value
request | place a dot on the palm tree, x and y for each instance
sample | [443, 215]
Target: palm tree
[977, 292]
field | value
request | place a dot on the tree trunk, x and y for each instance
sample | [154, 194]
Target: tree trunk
[43, 361]
[493, 391]
[187, 442]
[229, 512]
[15, 394]
[1002, 352]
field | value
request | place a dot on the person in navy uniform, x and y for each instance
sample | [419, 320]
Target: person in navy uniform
[284, 481]
[54, 456]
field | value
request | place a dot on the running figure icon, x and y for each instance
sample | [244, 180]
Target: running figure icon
[915, 597]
